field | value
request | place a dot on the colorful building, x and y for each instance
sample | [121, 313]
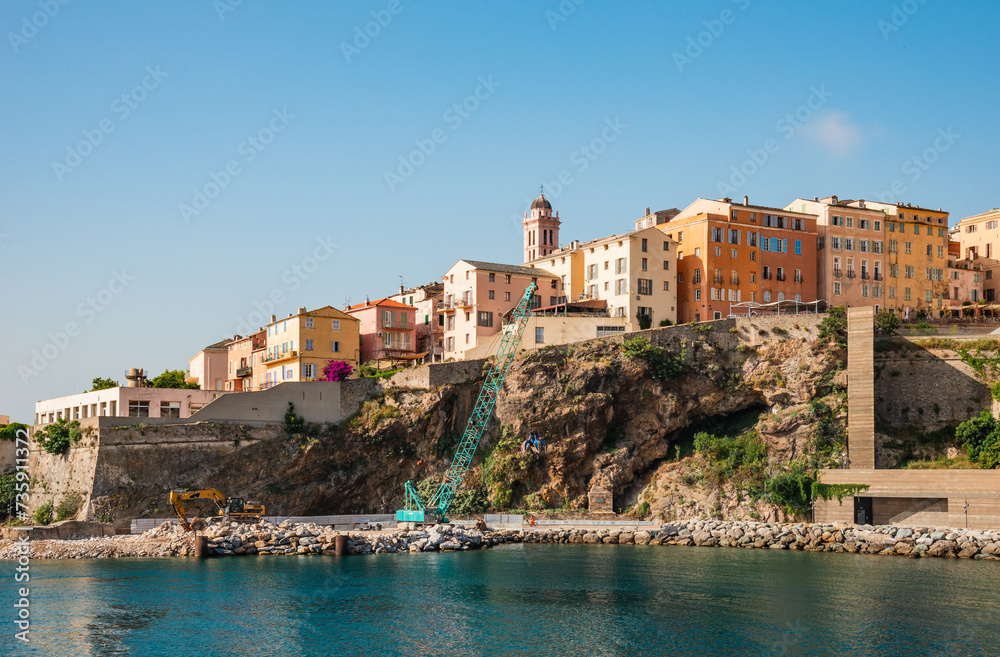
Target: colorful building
[965, 285]
[478, 294]
[208, 368]
[850, 265]
[387, 330]
[733, 254]
[916, 257]
[246, 362]
[979, 241]
[300, 345]
[633, 273]
[430, 323]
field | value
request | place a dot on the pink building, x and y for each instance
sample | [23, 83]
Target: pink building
[387, 328]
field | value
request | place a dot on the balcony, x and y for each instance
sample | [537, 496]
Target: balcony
[766, 275]
[851, 274]
[837, 273]
[735, 280]
[284, 356]
[864, 275]
[243, 371]
[878, 276]
[717, 279]
[798, 279]
[463, 302]
[780, 276]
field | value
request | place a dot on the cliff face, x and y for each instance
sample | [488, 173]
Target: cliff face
[613, 418]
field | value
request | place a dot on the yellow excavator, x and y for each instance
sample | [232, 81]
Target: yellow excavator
[234, 507]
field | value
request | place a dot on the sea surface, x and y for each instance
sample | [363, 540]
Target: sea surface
[515, 600]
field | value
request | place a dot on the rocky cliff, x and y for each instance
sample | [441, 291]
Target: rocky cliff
[617, 414]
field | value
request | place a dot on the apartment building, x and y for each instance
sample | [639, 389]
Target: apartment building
[731, 253]
[300, 345]
[208, 368]
[850, 264]
[429, 332]
[916, 257]
[966, 279]
[246, 362]
[633, 273]
[387, 330]
[477, 295]
[979, 241]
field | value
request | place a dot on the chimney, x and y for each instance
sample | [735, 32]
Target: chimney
[816, 198]
[647, 212]
[401, 289]
[746, 200]
[834, 198]
[274, 318]
[302, 310]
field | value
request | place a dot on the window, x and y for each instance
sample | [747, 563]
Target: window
[484, 318]
[909, 246]
[666, 265]
[732, 253]
[716, 234]
[849, 243]
[138, 408]
[753, 256]
[838, 221]
[506, 296]
[751, 239]
[645, 264]
[697, 294]
[876, 246]
[734, 236]
[621, 286]
[836, 288]
[850, 222]
[335, 346]
[644, 245]
[767, 296]
[930, 250]
[170, 409]
[906, 293]
[892, 292]
[916, 229]
[863, 246]
[680, 236]
[645, 286]
[892, 246]
[863, 224]
[309, 322]
[878, 225]
[621, 266]
[309, 344]
[506, 278]
[604, 331]
[835, 243]
[493, 279]
[539, 335]
[697, 252]
[666, 247]
[798, 247]
[336, 325]
[309, 370]
[666, 286]
[696, 277]
[927, 296]
[930, 231]
[908, 271]
[492, 294]
[718, 251]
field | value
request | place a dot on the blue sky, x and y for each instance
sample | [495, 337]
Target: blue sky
[167, 167]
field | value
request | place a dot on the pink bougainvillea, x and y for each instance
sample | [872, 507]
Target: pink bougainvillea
[337, 370]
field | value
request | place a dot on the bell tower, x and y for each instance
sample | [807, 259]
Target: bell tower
[541, 230]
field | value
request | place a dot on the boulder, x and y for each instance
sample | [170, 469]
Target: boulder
[943, 548]
[642, 538]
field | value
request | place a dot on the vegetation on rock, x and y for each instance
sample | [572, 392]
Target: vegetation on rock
[58, 437]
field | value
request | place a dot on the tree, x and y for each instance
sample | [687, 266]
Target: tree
[293, 423]
[171, 379]
[102, 384]
[8, 432]
[886, 322]
[336, 370]
[645, 320]
[834, 326]
[57, 437]
[981, 438]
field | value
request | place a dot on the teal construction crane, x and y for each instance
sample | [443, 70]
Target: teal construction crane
[436, 509]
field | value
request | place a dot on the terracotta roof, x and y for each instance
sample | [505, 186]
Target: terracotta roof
[385, 301]
[221, 344]
[509, 269]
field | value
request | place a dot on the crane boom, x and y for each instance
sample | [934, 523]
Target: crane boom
[437, 507]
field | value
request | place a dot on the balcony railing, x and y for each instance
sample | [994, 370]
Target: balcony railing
[798, 279]
[767, 275]
[463, 302]
[734, 280]
[287, 354]
[864, 275]
[878, 276]
[851, 274]
[780, 276]
[838, 273]
[717, 279]
[243, 371]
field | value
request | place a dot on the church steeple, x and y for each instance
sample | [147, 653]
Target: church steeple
[541, 230]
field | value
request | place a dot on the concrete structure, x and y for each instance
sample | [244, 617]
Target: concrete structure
[730, 253]
[861, 386]
[916, 498]
[478, 294]
[430, 322]
[131, 402]
[916, 258]
[545, 330]
[208, 368]
[965, 286]
[979, 242]
[633, 273]
[850, 251]
[541, 229]
[387, 330]
[246, 368]
[300, 345]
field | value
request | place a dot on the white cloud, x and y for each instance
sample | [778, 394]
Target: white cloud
[833, 131]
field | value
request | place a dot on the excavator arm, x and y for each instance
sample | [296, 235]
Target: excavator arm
[177, 498]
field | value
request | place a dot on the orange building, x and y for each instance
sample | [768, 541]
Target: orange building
[730, 253]
[246, 362]
[387, 329]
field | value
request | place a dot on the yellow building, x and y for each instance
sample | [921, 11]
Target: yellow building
[916, 258]
[633, 273]
[300, 345]
[979, 242]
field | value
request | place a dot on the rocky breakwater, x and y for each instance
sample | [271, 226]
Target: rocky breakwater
[858, 539]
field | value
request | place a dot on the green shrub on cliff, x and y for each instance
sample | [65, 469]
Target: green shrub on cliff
[8, 495]
[43, 514]
[661, 364]
[8, 432]
[738, 459]
[57, 437]
[833, 328]
[981, 438]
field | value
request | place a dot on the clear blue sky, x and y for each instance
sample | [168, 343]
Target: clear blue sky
[883, 89]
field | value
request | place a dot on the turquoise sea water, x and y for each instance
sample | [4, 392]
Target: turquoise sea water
[516, 600]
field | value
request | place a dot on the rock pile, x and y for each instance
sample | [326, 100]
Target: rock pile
[864, 539]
